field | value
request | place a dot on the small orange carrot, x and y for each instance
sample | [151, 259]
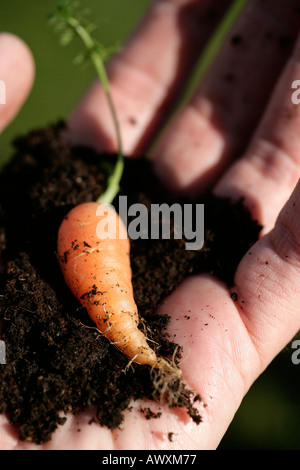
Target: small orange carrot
[97, 267]
[97, 270]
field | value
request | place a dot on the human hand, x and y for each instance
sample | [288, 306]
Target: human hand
[226, 356]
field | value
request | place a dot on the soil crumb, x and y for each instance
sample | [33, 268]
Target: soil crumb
[56, 361]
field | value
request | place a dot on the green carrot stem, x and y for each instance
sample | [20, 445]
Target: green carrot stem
[214, 45]
[113, 185]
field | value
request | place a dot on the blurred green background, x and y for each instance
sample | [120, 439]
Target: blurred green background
[270, 413]
[59, 83]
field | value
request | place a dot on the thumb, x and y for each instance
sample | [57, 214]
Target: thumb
[268, 284]
[16, 76]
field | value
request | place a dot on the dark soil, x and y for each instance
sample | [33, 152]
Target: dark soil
[55, 362]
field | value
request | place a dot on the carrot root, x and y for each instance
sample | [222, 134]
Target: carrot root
[96, 267]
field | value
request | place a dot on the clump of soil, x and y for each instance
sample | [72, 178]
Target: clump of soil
[56, 361]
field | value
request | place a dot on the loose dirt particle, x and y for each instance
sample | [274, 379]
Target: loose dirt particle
[236, 39]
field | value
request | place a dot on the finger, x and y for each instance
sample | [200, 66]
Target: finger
[270, 168]
[146, 76]
[16, 75]
[214, 127]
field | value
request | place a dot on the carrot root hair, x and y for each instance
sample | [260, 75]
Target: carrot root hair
[169, 368]
[164, 375]
[163, 383]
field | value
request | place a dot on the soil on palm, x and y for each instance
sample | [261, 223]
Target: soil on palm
[56, 361]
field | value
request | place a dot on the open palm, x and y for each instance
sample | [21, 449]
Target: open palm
[238, 135]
